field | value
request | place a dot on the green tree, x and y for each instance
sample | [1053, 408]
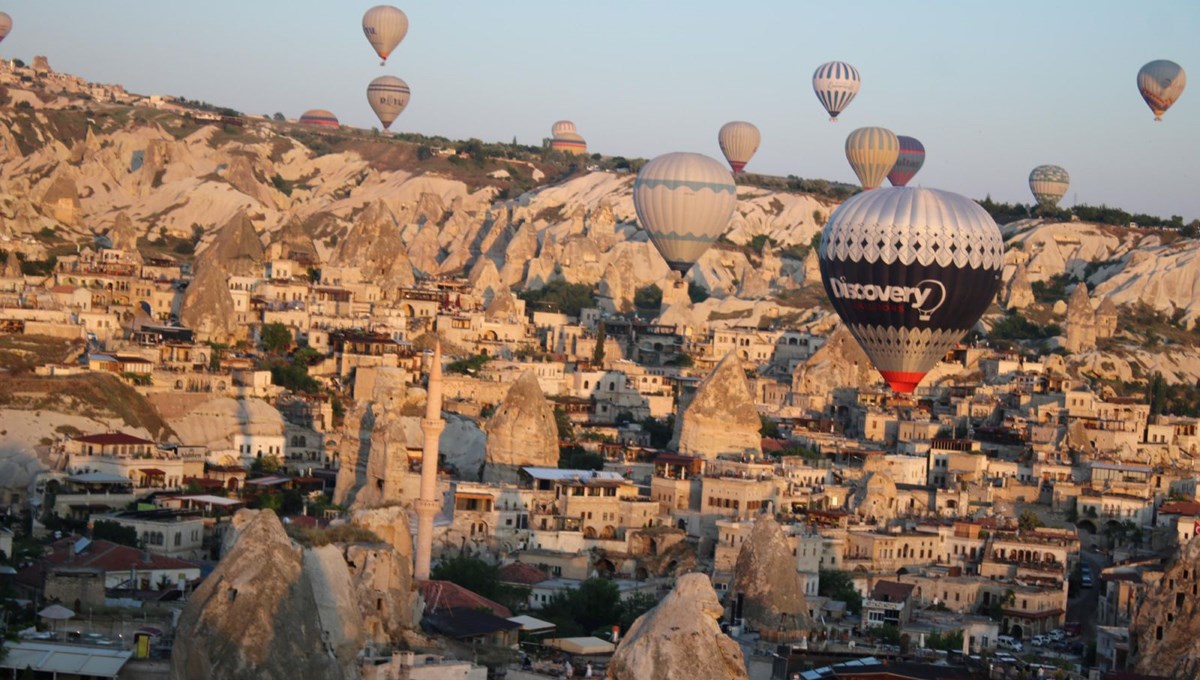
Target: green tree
[576, 457]
[276, 338]
[1029, 520]
[769, 428]
[107, 530]
[696, 292]
[839, 585]
[648, 298]
[598, 351]
[595, 604]
[568, 298]
[635, 606]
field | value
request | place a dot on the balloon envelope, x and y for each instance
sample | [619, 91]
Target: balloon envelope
[684, 201]
[836, 83]
[739, 140]
[1049, 184]
[388, 96]
[910, 271]
[908, 164]
[562, 127]
[872, 151]
[385, 26]
[5, 25]
[1161, 82]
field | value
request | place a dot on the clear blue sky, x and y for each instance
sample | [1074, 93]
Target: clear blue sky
[991, 88]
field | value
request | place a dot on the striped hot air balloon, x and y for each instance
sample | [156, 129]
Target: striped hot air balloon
[912, 157]
[1049, 184]
[910, 271]
[739, 140]
[385, 26]
[1161, 82]
[872, 151]
[388, 96]
[319, 117]
[562, 127]
[569, 142]
[5, 25]
[684, 201]
[836, 83]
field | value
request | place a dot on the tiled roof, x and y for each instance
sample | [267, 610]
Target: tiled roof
[441, 595]
[891, 591]
[521, 573]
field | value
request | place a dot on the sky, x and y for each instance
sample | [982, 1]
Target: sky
[992, 89]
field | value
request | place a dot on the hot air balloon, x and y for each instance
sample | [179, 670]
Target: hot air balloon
[1161, 82]
[836, 83]
[739, 140]
[684, 201]
[562, 127]
[385, 26]
[1049, 184]
[388, 95]
[5, 25]
[910, 271]
[872, 151]
[319, 118]
[912, 157]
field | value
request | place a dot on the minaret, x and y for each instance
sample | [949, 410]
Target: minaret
[427, 505]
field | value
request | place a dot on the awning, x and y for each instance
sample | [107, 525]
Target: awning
[582, 645]
[532, 625]
[152, 472]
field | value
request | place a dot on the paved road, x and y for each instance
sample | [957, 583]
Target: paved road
[1084, 605]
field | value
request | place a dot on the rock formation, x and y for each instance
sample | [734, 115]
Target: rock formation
[765, 575]
[374, 246]
[374, 441]
[208, 306]
[680, 639]
[841, 362]
[522, 432]
[12, 266]
[721, 416]
[1081, 321]
[236, 248]
[1018, 293]
[123, 235]
[1163, 632]
[255, 616]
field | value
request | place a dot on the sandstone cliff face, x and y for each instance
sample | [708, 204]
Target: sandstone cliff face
[255, 616]
[522, 432]
[236, 248]
[680, 639]
[374, 441]
[721, 417]
[765, 574]
[1164, 629]
[208, 306]
[841, 362]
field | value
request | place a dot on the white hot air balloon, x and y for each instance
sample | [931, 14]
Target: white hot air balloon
[836, 83]
[739, 140]
[684, 201]
[388, 95]
[385, 26]
[5, 25]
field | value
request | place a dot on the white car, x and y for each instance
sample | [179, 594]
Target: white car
[1008, 642]
[1040, 640]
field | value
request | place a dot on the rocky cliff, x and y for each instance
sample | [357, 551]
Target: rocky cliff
[255, 616]
[1164, 632]
[721, 416]
[522, 432]
[765, 575]
[680, 639]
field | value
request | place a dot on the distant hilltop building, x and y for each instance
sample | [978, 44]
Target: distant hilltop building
[320, 118]
[566, 139]
[41, 65]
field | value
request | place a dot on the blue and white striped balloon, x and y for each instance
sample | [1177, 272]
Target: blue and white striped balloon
[836, 83]
[684, 201]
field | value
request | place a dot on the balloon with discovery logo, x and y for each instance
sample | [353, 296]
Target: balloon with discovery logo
[910, 271]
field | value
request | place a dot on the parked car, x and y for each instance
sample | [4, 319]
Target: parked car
[1040, 640]
[1009, 642]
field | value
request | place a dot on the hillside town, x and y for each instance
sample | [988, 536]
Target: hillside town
[249, 409]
